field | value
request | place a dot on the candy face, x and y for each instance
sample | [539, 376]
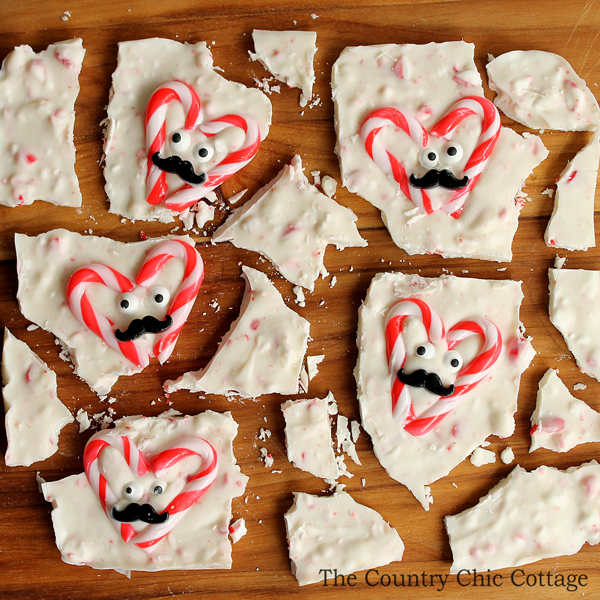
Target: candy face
[195, 145]
[452, 375]
[130, 297]
[437, 162]
[166, 490]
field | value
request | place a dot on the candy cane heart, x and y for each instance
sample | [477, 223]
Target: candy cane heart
[467, 376]
[439, 173]
[146, 509]
[192, 163]
[129, 342]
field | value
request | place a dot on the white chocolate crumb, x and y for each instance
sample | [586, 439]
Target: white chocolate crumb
[507, 455]
[238, 530]
[482, 457]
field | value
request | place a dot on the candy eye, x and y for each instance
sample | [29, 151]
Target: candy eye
[133, 491]
[159, 296]
[128, 303]
[425, 350]
[203, 152]
[429, 158]
[180, 140]
[452, 153]
[158, 487]
[453, 361]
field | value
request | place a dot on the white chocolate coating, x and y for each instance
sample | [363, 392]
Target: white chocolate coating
[291, 223]
[424, 81]
[487, 409]
[37, 114]
[571, 225]
[144, 65]
[575, 312]
[45, 264]
[561, 421]
[542, 91]
[336, 532]
[308, 437]
[528, 517]
[288, 55]
[85, 535]
[34, 414]
[263, 351]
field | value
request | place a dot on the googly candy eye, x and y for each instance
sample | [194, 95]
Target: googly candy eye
[429, 158]
[203, 152]
[159, 296]
[453, 361]
[158, 487]
[453, 152]
[425, 350]
[128, 303]
[180, 140]
[133, 491]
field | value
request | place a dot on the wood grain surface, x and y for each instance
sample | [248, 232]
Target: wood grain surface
[30, 564]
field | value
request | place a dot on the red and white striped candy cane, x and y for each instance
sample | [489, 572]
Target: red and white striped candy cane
[188, 194]
[82, 309]
[196, 484]
[182, 303]
[468, 377]
[385, 160]
[155, 123]
[396, 349]
[108, 498]
[193, 490]
[472, 105]
[490, 132]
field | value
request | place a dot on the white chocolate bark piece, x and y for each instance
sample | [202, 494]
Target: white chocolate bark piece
[541, 90]
[291, 223]
[575, 312]
[561, 421]
[308, 437]
[143, 66]
[45, 265]
[37, 114]
[418, 459]
[528, 517]
[34, 414]
[337, 533]
[571, 225]
[199, 540]
[424, 81]
[263, 351]
[288, 55]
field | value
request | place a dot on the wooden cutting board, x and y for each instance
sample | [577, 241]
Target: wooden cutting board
[30, 564]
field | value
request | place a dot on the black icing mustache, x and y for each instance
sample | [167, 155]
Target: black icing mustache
[139, 512]
[138, 327]
[430, 381]
[183, 168]
[443, 178]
